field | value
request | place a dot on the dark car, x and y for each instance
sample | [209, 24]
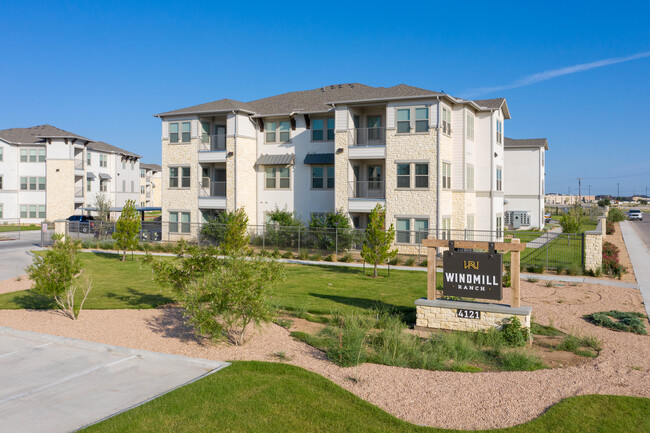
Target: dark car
[81, 223]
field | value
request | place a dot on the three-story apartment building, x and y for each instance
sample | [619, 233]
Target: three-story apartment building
[434, 161]
[112, 171]
[150, 185]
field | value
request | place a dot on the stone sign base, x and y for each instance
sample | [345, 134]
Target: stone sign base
[442, 314]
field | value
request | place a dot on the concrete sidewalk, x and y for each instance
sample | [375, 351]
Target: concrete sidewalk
[57, 384]
[640, 261]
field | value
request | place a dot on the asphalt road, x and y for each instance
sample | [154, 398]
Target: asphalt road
[642, 229]
[14, 254]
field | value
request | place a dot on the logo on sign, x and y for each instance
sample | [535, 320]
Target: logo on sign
[472, 275]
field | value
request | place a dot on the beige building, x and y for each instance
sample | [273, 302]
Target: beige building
[150, 185]
[434, 161]
[569, 199]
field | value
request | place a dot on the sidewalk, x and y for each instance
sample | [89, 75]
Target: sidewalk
[640, 261]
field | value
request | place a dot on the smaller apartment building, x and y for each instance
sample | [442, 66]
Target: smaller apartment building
[525, 160]
[434, 161]
[150, 185]
[47, 173]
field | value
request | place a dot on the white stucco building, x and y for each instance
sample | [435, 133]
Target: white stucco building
[524, 178]
[47, 173]
[433, 160]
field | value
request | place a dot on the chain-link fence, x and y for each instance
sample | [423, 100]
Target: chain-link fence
[549, 250]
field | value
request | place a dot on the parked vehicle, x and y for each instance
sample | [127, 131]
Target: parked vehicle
[547, 217]
[635, 214]
[81, 223]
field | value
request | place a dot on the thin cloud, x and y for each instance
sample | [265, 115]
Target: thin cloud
[554, 73]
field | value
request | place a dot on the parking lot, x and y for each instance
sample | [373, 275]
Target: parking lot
[56, 384]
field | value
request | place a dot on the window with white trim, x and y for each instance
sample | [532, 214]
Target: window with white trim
[322, 129]
[88, 158]
[1, 210]
[132, 186]
[32, 155]
[32, 211]
[403, 230]
[421, 227]
[124, 186]
[1, 153]
[470, 177]
[143, 173]
[277, 131]
[89, 184]
[403, 120]
[142, 190]
[446, 228]
[499, 131]
[103, 160]
[179, 222]
[103, 185]
[418, 171]
[446, 121]
[32, 183]
[179, 177]
[414, 119]
[499, 226]
[446, 175]
[322, 177]
[470, 126]
[278, 178]
[499, 179]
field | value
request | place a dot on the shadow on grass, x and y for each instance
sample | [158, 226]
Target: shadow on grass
[407, 313]
[140, 299]
[171, 324]
[31, 300]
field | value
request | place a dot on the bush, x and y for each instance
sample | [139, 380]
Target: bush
[626, 321]
[228, 230]
[535, 269]
[347, 340]
[611, 264]
[559, 268]
[520, 361]
[609, 228]
[287, 255]
[573, 270]
[345, 258]
[410, 261]
[283, 229]
[423, 263]
[394, 261]
[315, 257]
[615, 215]
[571, 222]
[514, 334]
[604, 202]
[332, 231]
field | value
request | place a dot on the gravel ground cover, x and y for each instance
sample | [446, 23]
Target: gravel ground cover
[434, 398]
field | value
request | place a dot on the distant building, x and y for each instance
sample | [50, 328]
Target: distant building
[113, 172]
[150, 185]
[569, 199]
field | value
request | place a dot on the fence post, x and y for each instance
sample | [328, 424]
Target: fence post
[336, 239]
[263, 236]
[582, 258]
[548, 242]
[298, 240]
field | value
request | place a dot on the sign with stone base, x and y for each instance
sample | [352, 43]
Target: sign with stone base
[472, 275]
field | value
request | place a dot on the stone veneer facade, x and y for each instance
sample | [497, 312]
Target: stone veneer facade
[60, 189]
[441, 314]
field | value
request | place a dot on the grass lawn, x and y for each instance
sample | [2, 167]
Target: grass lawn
[268, 397]
[318, 289]
[14, 228]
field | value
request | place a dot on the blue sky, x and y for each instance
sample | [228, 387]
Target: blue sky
[103, 69]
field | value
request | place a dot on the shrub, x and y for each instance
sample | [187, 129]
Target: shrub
[610, 263]
[228, 230]
[559, 268]
[329, 258]
[604, 202]
[394, 261]
[626, 321]
[573, 270]
[347, 340]
[410, 261]
[283, 229]
[303, 255]
[315, 257]
[615, 215]
[520, 361]
[571, 222]
[535, 269]
[332, 231]
[287, 255]
[345, 258]
[514, 334]
[609, 228]
[423, 263]
[127, 228]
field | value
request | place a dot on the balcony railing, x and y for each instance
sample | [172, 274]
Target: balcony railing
[374, 189]
[79, 191]
[212, 188]
[79, 164]
[211, 143]
[367, 137]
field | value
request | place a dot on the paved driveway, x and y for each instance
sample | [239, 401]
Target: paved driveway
[56, 384]
[642, 229]
[14, 254]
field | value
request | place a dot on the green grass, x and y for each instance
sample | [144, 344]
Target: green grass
[268, 397]
[14, 228]
[316, 289]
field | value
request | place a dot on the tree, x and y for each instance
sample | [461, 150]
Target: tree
[127, 228]
[332, 231]
[54, 272]
[229, 230]
[571, 222]
[377, 244]
[283, 229]
[103, 206]
[604, 202]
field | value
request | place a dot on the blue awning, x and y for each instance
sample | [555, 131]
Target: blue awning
[319, 158]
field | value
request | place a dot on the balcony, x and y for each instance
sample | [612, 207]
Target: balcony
[212, 194]
[212, 148]
[79, 194]
[367, 143]
[79, 167]
[363, 196]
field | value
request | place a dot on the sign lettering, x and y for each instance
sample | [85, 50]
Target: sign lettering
[472, 275]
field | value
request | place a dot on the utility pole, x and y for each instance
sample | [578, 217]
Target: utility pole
[589, 186]
[579, 189]
[618, 190]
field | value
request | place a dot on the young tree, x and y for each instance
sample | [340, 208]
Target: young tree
[103, 206]
[379, 239]
[331, 231]
[53, 275]
[571, 222]
[127, 228]
[229, 230]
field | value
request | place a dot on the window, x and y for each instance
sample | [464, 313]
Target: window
[499, 131]
[446, 228]
[499, 226]
[23, 155]
[33, 155]
[0, 182]
[403, 175]
[103, 185]
[446, 175]
[89, 184]
[1, 153]
[41, 155]
[103, 160]
[142, 173]
[278, 131]
[499, 178]
[322, 129]
[173, 177]
[421, 175]
[174, 222]
[32, 211]
[88, 158]
[421, 119]
[185, 177]
[142, 204]
[32, 183]
[173, 132]
[1, 211]
[186, 129]
[469, 228]
[23, 211]
[446, 120]
[41, 211]
[322, 177]
[470, 126]
[404, 121]
[470, 177]
[421, 230]
[142, 190]
[123, 186]
[403, 232]
[278, 178]
[132, 186]
[132, 165]
[123, 164]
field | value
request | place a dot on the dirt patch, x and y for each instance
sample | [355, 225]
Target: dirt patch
[15, 284]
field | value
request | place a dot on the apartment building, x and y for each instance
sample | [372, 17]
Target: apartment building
[433, 160]
[41, 173]
[47, 173]
[150, 185]
[569, 199]
[524, 177]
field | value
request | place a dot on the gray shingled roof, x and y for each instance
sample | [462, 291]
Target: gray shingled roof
[36, 134]
[154, 167]
[309, 101]
[286, 159]
[319, 158]
[525, 142]
[490, 103]
[100, 146]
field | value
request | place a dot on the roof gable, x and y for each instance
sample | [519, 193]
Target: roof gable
[37, 134]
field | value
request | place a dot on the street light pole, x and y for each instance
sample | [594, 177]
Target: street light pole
[618, 190]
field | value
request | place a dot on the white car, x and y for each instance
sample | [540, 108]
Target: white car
[635, 214]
